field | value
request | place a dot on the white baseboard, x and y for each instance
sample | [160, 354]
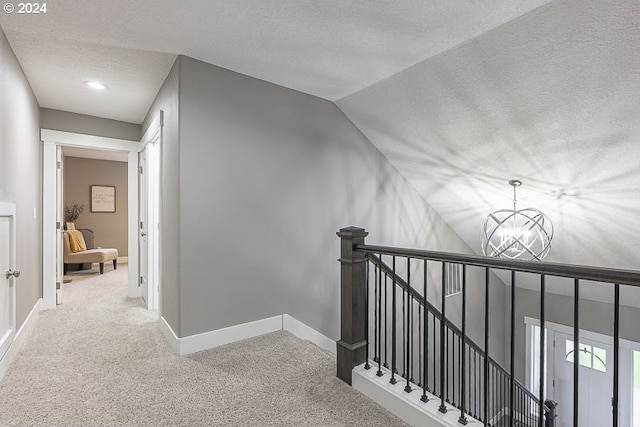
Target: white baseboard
[406, 406]
[302, 331]
[19, 339]
[123, 260]
[169, 335]
[207, 340]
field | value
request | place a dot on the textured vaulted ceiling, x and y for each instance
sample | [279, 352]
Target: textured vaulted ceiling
[329, 48]
[460, 96]
[552, 98]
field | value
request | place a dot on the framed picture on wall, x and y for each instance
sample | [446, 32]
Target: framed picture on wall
[103, 198]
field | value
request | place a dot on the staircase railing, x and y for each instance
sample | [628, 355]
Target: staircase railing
[468, 373]
[385, 315]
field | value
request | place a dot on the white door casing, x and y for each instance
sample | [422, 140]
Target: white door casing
[59, 226]
[51, 141]
[7, 282]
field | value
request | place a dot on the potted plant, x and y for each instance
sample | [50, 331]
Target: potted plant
[71, 213]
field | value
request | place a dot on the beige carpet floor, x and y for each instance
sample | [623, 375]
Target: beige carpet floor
[100, 360]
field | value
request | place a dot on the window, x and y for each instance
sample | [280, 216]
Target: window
[453, 279]
[589, 356]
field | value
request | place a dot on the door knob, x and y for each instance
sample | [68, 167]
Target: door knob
[143, 234]
[13, 273]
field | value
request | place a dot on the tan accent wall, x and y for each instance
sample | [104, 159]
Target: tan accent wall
[110, 229]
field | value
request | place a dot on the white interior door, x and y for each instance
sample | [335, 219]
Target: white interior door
[595, 381]
[143, 206]
[7, 279]
[149, 214]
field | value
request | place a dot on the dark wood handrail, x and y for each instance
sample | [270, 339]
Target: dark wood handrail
[437, 314]
[597, 274]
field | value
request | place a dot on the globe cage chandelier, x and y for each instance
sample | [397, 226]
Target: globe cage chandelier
[513, 233]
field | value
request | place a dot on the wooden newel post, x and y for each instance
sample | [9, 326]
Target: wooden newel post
[351, 347]
[550, 415]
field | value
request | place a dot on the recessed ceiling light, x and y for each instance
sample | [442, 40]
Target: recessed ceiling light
[95, 85]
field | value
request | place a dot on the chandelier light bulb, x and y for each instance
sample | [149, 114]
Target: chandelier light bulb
[512, 233]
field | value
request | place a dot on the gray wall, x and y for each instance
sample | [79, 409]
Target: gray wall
[20, 174]
[110, 229]
[167, 101]
[88, 125]
[267, 175]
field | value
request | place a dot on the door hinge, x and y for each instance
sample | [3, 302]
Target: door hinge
[140, 170]
[554, 343]
[140, 281]
[58, 225]
[141, 225]
[554, 383]
[58, 165]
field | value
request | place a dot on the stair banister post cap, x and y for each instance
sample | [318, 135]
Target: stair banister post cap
[352, 231]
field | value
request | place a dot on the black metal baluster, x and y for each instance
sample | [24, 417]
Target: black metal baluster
[512, 347]
[402, 347]
[379, 273]
[443, 407]
[576, 348]
[521, 412]
[412, 364]
[475, 383]
[616, 352]
[407, 388]
[376, 330]
[451, 377]
[425, 352]
[404, 337]
[393, 323]
[501, 404]
[366, 317]
[420, 346]
[520, 405]
[463, 419]
[447, 364]
[386, 305]
[486, 346]
[494, 391]
[469, 381]
[505, 394]
[434, 354]
[542, 339]
[455, 369]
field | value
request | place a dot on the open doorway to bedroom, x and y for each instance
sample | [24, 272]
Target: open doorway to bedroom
[95, 213]
[95, 203]
[140, 185]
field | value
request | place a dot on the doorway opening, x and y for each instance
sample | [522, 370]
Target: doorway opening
[95, 205]
[137, 181]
